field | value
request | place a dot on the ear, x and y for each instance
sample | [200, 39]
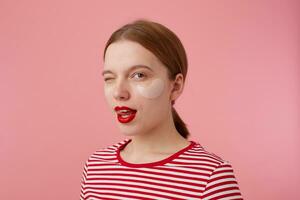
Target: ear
[177, 87]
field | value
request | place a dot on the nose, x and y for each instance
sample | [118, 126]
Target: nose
[121, 92]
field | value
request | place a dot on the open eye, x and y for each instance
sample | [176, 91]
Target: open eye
[140, 75]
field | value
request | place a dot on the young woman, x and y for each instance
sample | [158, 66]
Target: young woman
[145, 66]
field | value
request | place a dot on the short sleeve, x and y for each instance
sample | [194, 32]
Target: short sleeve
[222, 184]
[83, 181]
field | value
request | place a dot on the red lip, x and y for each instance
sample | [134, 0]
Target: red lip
[123, 108]
[130, 116]
[126, 119]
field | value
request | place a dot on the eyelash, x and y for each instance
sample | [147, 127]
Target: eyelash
[144, 75]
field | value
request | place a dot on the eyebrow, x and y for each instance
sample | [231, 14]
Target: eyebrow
[130, 69]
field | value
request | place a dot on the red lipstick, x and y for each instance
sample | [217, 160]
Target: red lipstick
[125, 114]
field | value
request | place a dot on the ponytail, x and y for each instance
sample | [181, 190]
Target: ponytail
[179, 124]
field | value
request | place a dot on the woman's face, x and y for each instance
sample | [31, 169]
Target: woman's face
[135, 78]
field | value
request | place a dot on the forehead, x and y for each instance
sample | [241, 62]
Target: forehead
[122, 55]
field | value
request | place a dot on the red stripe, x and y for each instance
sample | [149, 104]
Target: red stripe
[191, 176]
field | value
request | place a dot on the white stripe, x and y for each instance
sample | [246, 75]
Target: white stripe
[167, 182]
[221, 174]
[141, 190]
[179, 167]
[195, 161]
[213, 159]
[232, 197]
[102, 157]
[184, 179]
[132, 185]
[219, 187]
[196, 165]
[222, 193]
[220, 181]
[111, 197]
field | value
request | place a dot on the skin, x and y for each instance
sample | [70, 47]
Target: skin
[150, 92]
[153, 90]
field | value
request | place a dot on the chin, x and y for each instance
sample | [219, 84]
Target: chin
[126, 133]
[129, 130]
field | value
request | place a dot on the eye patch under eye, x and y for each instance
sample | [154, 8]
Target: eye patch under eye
[152, 90]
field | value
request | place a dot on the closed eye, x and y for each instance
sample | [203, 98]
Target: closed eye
[106, 79]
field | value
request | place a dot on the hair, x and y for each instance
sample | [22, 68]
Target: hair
[165, 45]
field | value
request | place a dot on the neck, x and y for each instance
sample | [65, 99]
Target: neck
[163, 139]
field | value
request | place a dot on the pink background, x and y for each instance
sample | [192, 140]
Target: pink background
[241, 99]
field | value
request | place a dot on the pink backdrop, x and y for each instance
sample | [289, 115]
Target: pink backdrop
[241, 100]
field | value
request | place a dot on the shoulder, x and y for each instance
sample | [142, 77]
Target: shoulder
[201, 154]
[106, 153]
[220, 175]
[208, 162]
[213, 162]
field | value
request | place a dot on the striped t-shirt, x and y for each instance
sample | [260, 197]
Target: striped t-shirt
[191, 173]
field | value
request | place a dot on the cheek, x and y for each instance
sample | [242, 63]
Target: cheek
[152, 90]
